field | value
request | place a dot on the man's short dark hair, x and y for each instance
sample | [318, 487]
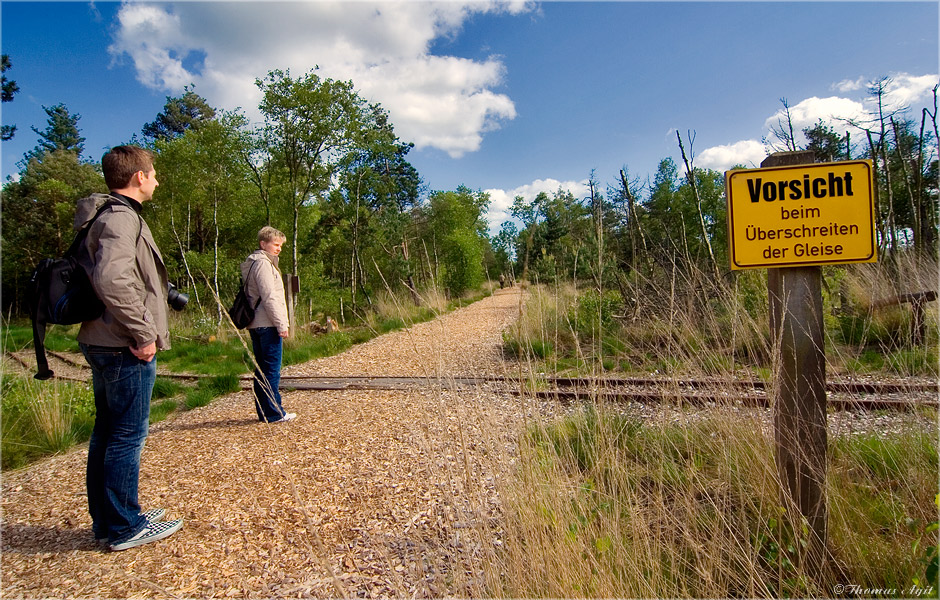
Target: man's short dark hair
[121, 163]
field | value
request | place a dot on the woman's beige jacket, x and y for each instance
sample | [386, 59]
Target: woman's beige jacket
[263, 280]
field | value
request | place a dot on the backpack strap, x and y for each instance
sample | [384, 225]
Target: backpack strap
[83, 232]
[245, 284]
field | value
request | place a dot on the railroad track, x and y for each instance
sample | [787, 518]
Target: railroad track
[842, 395]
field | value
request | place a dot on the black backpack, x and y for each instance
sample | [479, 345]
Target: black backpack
[60, 293]
[242, 312]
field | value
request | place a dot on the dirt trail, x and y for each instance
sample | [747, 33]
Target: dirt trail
[365, 494]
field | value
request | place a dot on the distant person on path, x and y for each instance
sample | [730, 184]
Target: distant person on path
[128, 275]
[502, 280]
[263, 281]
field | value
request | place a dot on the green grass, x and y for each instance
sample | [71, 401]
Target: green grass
[609, 505]
[164, 387]
[309, 348]
[616, 506]
[42, 418]
[203, 356]
[563, 326]
[59, 338]
[162, 409]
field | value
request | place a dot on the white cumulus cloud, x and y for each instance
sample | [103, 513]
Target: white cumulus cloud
[832, 110]
[904, 89]
[443, 102]
[850, 85]
[749, 153]
[900, 90]
[501, 200]
[837, 112]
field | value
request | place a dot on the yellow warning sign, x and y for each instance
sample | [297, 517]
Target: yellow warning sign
[818, 214]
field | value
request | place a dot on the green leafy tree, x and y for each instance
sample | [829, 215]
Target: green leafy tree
[564, 238]
[204, 209]
[41, 204]
[626, 239]
[455, 231]
[180, 114]
[463, 256]
[310, 124]
[528, 214]
[503, 245]
[363, 229]
[61, 133]
[826, 144]
[665, 225]
[9, 89]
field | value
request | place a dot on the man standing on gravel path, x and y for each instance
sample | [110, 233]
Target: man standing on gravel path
[128, 275]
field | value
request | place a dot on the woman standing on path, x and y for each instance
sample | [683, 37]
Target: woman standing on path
[263, 282]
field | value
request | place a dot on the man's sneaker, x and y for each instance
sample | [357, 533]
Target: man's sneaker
[153, 515]
[286, 417]
[151, 533]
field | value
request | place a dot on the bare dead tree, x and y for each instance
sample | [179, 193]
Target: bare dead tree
[915, 203]
[877, 89]
[782, 133]
[690, 175]
[633, 223]
[597, 208]
[876, 132]
[929, 217]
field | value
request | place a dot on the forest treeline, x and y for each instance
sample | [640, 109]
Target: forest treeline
[327, 168]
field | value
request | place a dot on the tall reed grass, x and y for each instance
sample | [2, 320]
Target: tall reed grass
[42, 418]
[675, 501]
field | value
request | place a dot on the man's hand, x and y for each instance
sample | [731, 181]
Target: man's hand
[284, 334]
[145, 353]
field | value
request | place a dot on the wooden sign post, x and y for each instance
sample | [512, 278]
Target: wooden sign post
[800, 426]
[791, 216]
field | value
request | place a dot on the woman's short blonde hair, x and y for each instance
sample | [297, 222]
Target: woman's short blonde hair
[269, 234]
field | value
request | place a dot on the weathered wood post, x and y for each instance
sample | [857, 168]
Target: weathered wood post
[800, 428]
[791, 216]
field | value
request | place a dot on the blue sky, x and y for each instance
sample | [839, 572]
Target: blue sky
[511, 98]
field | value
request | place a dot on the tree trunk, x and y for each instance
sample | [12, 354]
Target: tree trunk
[179, 242]
[915, 209]
[215, 258]
[690, 174]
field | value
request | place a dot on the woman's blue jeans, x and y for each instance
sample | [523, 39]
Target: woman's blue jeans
[122, 385]
[266, 343]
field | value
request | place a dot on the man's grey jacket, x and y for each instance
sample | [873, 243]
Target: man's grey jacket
[127, 272]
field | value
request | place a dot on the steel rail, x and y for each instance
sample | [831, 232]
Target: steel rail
[667, 391]
[848, 387]
[679, 391]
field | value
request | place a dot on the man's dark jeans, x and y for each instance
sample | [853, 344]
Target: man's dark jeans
[266, 343]
[123, 385]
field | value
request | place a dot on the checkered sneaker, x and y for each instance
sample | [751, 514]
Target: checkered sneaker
[152, 515]
[151, 533]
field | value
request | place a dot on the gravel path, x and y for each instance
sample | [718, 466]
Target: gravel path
[365, 494]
